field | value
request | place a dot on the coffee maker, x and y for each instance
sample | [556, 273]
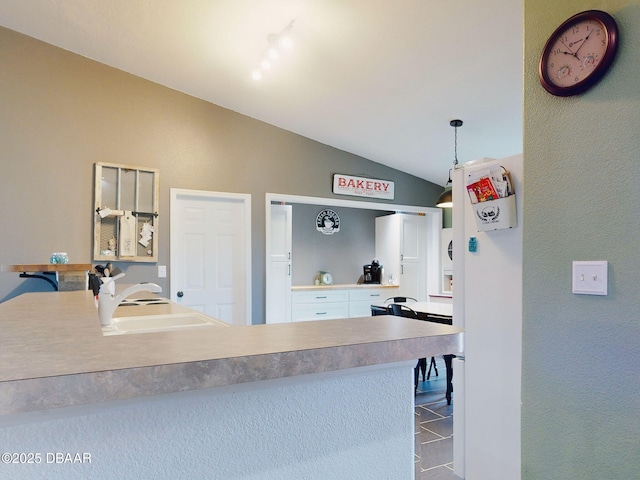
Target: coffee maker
[372, 272]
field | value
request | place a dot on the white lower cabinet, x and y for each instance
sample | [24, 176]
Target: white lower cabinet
[336, 303]
[360, 301]
[319, 305]
[326, 311]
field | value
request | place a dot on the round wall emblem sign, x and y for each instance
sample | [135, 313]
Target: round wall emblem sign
[328, 222]
[490, 214]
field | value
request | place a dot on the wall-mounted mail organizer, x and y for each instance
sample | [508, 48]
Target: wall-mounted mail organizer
[492, 197]
[126, 213]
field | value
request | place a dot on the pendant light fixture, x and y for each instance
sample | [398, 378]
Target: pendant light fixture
[445, 200]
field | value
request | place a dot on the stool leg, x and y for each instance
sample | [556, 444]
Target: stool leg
[448, 362]
[432, 365]
[423, 367]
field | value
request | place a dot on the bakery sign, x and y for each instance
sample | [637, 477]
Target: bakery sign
[362, 187]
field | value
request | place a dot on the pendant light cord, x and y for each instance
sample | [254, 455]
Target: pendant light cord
[455, 146]
[455, 124]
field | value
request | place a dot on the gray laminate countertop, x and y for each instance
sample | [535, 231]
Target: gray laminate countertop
[342, 286]
[53, 353]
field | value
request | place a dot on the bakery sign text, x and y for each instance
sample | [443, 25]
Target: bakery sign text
[362, 187]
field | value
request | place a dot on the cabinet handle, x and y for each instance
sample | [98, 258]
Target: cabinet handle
[374, 295]
[321, 297]
[321, 313]
[180, 294]
[401, 269]
[289, 254]
[289, 270]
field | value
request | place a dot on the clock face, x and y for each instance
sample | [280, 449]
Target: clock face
[578, 53]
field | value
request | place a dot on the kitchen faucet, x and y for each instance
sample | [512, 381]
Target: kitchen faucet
[107, 302]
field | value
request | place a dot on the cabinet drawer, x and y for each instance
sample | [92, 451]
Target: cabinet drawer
[373, 295]
[360, 309]
[310, 311]
[320, 296]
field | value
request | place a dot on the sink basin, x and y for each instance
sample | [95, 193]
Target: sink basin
[143, 301]
[160, 323]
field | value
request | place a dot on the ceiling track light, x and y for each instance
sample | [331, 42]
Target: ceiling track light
[445, 200]
[277, 44]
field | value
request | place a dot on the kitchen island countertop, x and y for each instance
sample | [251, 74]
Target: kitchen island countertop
[342, 286]
[53, 353]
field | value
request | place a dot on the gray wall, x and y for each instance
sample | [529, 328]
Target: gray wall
[60, 113]
[581, 354]
[343, 253]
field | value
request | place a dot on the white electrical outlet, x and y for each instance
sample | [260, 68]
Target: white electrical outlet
[589, 278]
[162, 271]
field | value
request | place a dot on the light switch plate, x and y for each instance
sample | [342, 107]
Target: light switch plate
[590, 278]
[162, 271]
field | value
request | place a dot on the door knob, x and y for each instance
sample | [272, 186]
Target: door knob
[180, 294]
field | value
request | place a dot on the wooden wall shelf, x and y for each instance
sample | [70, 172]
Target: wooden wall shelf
[61, 276]
[48, 267]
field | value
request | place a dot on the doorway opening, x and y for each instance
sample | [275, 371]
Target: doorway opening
[279, 266]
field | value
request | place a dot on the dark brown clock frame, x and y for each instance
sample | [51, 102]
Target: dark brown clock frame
[610, 28]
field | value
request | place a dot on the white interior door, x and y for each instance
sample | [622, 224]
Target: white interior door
[211, 253]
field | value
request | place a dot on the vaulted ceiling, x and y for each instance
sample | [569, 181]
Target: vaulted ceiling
[381, 79]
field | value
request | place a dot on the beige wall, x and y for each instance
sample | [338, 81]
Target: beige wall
[581, 354]
[60, 113]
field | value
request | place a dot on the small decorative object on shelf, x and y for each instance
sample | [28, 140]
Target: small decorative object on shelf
[59, 258]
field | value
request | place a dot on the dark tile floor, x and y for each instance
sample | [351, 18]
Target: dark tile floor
[434, 429]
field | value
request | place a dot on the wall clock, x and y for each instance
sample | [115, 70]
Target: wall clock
[578, 53]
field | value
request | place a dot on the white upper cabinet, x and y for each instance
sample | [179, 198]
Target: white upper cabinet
[279, 264]
[401, 248]
[446, 247]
